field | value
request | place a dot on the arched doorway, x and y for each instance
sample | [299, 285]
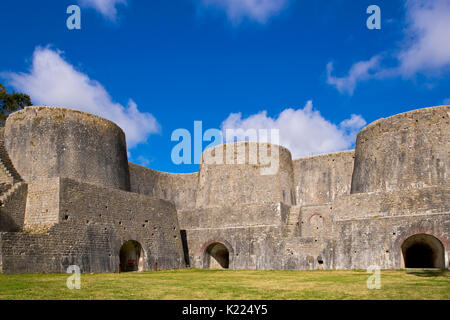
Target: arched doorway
[423, 251]
[216, 256]
[131, 257]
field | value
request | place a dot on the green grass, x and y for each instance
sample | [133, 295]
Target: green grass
[228, 285]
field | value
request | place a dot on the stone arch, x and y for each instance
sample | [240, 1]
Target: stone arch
[315, 225]
[132, 256]
[423, 251]
[321, 216]
[217, 254]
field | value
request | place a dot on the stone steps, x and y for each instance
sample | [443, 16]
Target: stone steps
[4, 187]
[291, 228]
[6, 164]
[14, 180]
[8, 194]
[293, 216]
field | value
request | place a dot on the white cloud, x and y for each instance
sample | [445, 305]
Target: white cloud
[424, 49]
[53, 81]
[358, 72]
[257, 10]
[303, 131]
[106, 7]
[447, 101]
[427, 46]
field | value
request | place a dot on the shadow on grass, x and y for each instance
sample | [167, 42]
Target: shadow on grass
[430, 273]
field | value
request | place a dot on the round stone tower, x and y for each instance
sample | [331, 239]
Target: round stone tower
[245, 172]
[408, 150]
[48, 142]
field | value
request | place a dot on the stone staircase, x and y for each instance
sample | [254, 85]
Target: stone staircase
[10, 180]
[4, 187]
[8, 174]
[5, 196]
[292, 229]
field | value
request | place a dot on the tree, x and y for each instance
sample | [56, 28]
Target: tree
[10, 102]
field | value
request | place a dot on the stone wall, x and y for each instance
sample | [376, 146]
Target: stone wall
[229, 182]
[352, 232]
[92, 229]
[42, 204]
[405, 151]
[273, 214]
[12, 208]
[351, 244]
[5, 178]
[47, 142]
[323, 178]
[424, 201]
[345, 210]
[249, 247]
[179, 188]
[378, 241]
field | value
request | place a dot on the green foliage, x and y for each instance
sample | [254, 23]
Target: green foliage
[10, 102]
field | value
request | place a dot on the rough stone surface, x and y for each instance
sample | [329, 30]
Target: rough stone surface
[323, 178]
[46, 142]
[179, 188]
[91, 230]
[345, 210]
[238, 179]
[12, 208]
[406, 151]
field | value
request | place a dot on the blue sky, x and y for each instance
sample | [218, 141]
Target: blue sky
[310, 68]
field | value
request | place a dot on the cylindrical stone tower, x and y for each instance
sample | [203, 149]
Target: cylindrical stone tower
[408, 150]
[245, 172]
[48, 142]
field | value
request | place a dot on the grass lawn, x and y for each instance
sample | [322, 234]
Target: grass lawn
[229, 285]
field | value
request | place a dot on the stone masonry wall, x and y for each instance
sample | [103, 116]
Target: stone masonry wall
[43, 204]
[346, 210]
[92, 229]
[179, 188]
[49, 142]
[231, 182]
[12, 208]
[378, 241]
[274, 214]
[405, 151]
[323, 178]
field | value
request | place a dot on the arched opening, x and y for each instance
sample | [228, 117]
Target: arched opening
[131, 257]
[216, 256]
[423, 251]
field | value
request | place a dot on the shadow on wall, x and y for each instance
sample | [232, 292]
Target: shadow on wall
[216, 256]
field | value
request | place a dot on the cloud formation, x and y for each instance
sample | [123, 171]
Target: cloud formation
[427, 44]
[303, 131]
[53, 81]
[106, 7]
[424, 49]
[257, 10]
[360, 71]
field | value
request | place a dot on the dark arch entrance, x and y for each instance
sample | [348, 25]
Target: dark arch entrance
[131, 257]
[216, 256]
[423, 251]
